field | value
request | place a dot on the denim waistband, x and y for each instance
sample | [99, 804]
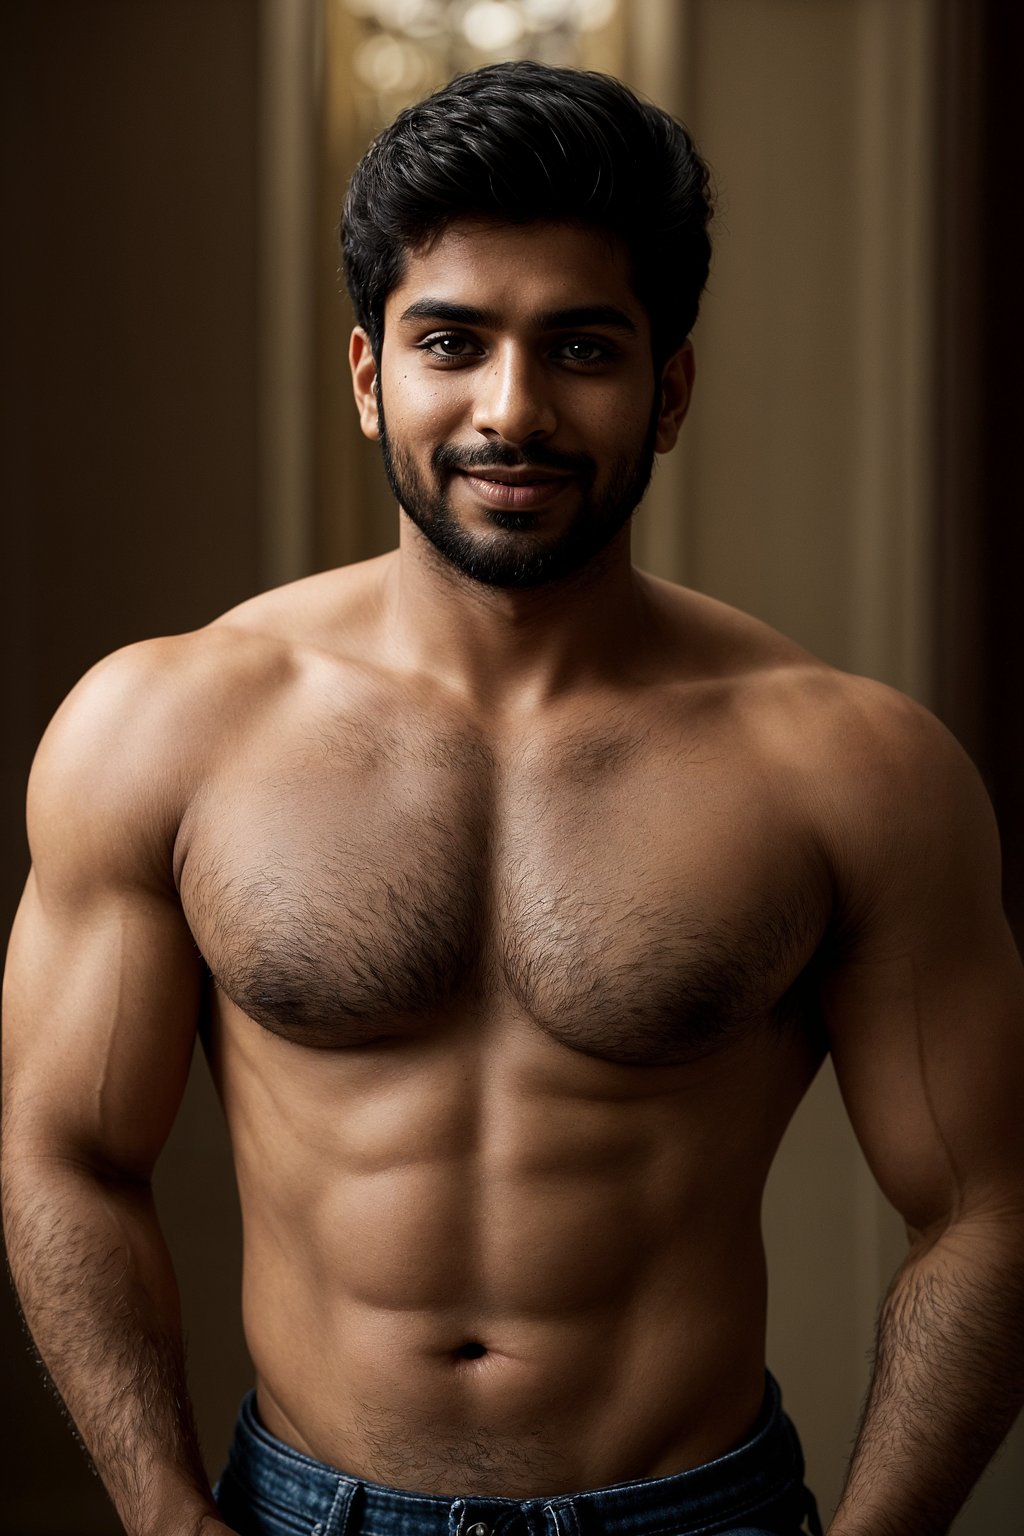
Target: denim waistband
[759, 1482]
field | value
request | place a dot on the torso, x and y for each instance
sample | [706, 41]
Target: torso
[507, 1026]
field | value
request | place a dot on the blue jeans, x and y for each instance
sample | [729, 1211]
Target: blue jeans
[757, 1489]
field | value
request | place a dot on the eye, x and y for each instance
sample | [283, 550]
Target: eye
[586, 351]
[448, 346]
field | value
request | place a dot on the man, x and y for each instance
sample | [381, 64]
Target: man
[518, 897]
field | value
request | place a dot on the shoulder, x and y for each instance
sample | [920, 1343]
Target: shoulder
[128, 746]
[874, 773]
[169, 699]
[146, 726]
[855, 731]
[154, 699]
[893, 801]
[881, 777]
[877, 755]
[840, 724]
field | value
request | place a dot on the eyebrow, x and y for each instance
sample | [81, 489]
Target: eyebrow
[606, 315]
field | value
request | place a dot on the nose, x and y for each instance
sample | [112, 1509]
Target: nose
[512, 399]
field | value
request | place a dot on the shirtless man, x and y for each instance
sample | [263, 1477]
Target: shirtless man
[517, 897]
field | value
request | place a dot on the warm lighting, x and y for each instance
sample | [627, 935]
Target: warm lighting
[405, 48]
[492, 26]
[489, 26]
[592, 14]
[410, 15]
[547, 13]
[389, 65]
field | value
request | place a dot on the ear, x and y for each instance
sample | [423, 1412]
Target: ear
[676, 391]
[364, 379]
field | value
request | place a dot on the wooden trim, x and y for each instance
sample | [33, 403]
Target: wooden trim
[289, 31]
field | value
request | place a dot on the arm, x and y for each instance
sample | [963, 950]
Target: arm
[100, 1002]
[925, 1012]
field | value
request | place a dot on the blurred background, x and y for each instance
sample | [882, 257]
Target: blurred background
[180, 434]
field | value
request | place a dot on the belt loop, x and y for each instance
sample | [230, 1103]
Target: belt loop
[563, 1518]
[336, 1523]
[456, 1516]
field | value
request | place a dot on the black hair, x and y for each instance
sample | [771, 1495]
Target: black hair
[523, 142]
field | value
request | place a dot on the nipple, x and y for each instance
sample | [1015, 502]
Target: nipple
[471, 1351]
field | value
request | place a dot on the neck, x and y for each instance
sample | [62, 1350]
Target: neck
[509, 649]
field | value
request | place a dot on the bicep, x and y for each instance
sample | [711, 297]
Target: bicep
[102, 984]
[925, 1008]
[101, 999]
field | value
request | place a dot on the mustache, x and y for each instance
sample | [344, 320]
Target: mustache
[448, 457]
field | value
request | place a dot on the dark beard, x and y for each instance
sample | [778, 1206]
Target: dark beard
[514, 556]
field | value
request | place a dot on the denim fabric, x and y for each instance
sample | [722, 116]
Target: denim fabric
[757, 1489]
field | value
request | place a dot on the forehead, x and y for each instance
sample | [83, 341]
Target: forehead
[518, 271]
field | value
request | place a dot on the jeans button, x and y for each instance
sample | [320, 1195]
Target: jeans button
[480, 1529]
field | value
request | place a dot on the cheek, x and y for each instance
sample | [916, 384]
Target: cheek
[420, 412]
[618, 419]
[620, 434]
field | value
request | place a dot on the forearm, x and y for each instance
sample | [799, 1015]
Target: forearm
[98, 1292]
[947, 1384]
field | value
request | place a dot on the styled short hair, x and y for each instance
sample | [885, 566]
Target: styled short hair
[520, 143]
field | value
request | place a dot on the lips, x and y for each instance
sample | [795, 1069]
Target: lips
[524, 490]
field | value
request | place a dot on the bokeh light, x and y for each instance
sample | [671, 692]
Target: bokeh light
[493, 25]
[405, 48]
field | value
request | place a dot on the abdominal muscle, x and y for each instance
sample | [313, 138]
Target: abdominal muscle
[480, 1263]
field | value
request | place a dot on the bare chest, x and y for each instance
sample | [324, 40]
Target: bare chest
[629, 903]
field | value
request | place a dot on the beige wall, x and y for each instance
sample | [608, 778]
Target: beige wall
[802, 487]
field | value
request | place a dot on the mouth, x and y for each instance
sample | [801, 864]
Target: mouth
[515, 488]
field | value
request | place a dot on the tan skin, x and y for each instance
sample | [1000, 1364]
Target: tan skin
[531, 915]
